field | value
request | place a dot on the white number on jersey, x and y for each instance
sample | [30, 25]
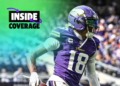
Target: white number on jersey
[79, 59]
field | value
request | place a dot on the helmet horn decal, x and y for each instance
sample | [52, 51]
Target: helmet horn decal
[79, 12]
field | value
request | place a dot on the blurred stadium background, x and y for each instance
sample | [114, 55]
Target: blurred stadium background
[16, 44]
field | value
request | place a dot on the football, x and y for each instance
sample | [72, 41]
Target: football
[42, 84]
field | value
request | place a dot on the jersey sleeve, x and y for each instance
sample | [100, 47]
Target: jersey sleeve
[51, 44]
[56, 38]
[98, 46]
[97, 43]
[55, 33]
[59, 32]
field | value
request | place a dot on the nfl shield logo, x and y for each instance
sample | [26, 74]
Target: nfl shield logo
[70, 40]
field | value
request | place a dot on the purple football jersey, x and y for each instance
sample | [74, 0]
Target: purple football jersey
[70, 61]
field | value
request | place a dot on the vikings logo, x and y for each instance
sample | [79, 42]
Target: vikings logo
[79, 12]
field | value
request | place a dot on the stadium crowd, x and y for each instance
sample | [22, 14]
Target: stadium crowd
[109, 31]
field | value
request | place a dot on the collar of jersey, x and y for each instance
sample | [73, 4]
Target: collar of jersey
[78, 35]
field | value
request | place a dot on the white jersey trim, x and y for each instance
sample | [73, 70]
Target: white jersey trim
[57, 79]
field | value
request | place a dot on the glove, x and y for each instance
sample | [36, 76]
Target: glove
[34, 79]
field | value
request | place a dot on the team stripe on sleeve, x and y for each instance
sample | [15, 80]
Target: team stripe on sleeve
[55, 33]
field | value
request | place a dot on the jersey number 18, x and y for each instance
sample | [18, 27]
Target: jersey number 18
[79, 59]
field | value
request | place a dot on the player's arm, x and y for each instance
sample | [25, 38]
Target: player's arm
[31, 59]
[90, 71]
[48, 45]
[33, 55]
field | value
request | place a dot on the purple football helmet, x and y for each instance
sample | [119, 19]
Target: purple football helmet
[82, 16]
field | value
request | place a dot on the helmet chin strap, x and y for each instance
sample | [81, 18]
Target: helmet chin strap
[88, 35]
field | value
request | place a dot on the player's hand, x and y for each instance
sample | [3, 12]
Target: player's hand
[34, 79]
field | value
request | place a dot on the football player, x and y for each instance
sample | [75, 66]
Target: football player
[74, 48]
